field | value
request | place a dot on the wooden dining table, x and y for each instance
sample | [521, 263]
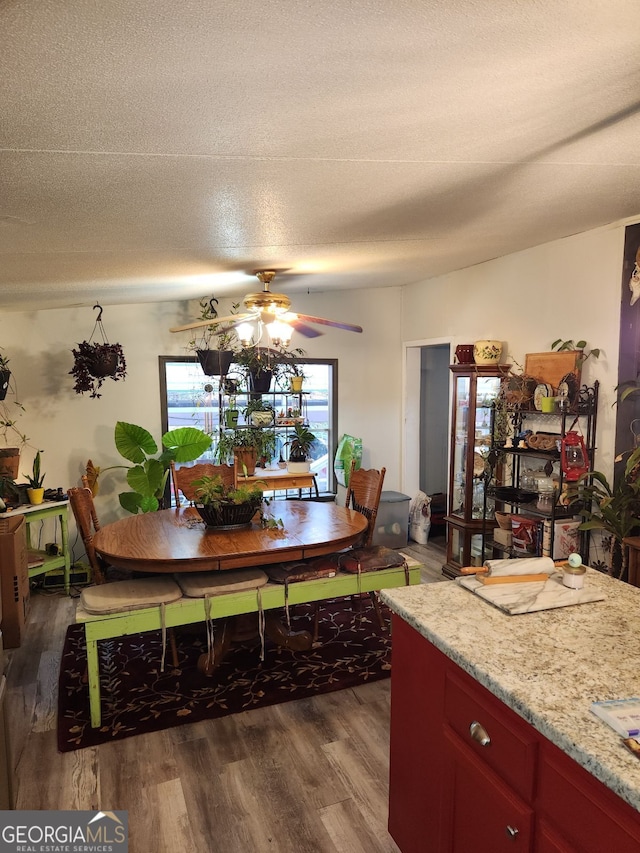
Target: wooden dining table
[177, 540]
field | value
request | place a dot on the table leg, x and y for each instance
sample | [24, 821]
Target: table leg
[93, 674]
[64, 534]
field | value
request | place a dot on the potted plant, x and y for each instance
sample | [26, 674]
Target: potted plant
[258, 413]
[259, 367]
[148, 476]
[615, 510]
[249, 446]
[214, 360]
[10, 410]
[224, 506]
[35, 491]
[94, 362]
[299, 447]
[5, 376]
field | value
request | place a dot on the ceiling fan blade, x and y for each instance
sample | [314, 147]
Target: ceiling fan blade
[200, 323]
[349, 327]
[307, 331]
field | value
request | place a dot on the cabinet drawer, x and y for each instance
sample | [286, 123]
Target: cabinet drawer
[474, 714]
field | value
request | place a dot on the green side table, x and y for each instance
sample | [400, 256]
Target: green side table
[49, 509]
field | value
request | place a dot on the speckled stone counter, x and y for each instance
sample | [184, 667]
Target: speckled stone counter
[547, 666]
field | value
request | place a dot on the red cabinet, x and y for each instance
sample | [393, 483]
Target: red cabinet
[468, 775]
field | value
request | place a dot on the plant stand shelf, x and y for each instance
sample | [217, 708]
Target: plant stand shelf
[48, 510]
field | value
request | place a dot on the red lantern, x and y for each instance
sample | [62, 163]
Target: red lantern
[573, 456]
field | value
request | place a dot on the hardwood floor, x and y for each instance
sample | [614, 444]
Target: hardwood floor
[309, 776]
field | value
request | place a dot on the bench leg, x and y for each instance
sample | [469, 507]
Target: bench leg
[94, 683]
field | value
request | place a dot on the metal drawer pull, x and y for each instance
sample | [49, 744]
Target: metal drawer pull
[512, 831]
[479, 733]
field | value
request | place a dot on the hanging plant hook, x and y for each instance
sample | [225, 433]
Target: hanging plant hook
[99, 307]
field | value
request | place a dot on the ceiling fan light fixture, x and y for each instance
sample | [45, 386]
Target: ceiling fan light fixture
[245, 332]
[280, 333]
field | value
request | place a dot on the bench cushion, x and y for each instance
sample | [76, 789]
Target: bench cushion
[304, 570]
[200, 584]
[133, 594]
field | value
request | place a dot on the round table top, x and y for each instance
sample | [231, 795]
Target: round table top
[176, 540]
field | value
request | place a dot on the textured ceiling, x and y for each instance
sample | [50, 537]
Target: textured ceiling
[153, 150]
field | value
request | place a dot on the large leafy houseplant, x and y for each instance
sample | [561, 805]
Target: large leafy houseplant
[148, 476]
[615, 510]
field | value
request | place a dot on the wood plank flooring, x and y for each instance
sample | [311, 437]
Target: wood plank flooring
[309, 776]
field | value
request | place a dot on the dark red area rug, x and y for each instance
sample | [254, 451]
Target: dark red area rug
[137, 697]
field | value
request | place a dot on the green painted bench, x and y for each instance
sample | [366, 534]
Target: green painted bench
[187, 611]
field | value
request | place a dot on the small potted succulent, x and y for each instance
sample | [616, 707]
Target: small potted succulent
[226, 507]
[35, 491]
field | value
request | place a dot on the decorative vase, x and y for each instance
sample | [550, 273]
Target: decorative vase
[464, 353]
[487, 352]
[36, 496]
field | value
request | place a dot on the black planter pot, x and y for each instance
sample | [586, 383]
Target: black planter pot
[103, 363]
[215, 362]
[261, 382]
[5, 375]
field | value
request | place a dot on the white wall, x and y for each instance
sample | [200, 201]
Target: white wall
[71, 428]
[567, 289]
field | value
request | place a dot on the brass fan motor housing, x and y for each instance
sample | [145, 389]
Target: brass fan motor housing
[272, 303]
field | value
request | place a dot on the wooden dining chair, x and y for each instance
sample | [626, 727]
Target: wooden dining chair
[182, 478]
[137, 594]
[84, 512]
[363, 495]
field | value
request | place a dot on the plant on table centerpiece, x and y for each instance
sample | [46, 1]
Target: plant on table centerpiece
[221, 505]
[35, 492]
[299, 448]
[615, 510]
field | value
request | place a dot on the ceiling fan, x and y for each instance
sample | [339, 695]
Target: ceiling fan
[270, 310]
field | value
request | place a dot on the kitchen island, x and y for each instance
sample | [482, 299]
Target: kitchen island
[493, 745]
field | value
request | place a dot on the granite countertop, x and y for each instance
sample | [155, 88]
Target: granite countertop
[547, 666]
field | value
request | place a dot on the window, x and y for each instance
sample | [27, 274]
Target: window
[189, 398]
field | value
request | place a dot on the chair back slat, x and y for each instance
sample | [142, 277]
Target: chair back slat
[182, 477]
[84, 512]
[363, 495]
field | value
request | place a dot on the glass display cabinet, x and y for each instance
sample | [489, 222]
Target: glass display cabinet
[475, 387]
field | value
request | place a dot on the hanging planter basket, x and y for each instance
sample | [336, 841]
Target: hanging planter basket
[215, 362]
[95, 362]
[5, 376]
